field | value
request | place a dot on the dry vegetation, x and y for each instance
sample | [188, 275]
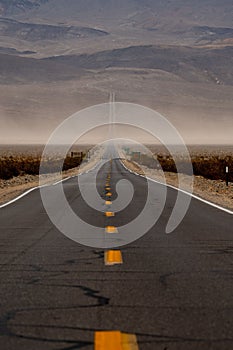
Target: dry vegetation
[15, 166]
[19, 168]
[209, 170]
[210, 162]
[18, 162]
[24, 160]
[211, 167]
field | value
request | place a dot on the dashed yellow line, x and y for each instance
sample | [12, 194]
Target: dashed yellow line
[113, 257]
[108, 202]
[109, 214]
[108, 340]
[129, 342]
[107, 188]
[109, 194]
[111, 229]
[115, 340]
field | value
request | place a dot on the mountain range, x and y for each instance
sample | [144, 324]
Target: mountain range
[175, 56]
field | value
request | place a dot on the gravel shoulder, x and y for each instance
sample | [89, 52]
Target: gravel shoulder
[10, 189]
[214, 191]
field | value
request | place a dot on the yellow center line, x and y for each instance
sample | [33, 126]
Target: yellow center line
[109, 214]
[109, 194]
[113, 257]
[115, 340]
[111, 229]
[129, 342]
[108, 340]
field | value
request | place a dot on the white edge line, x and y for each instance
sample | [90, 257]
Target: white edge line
[194, 196]
[87, 171]
[21, 196]
[63, 180]
[167, 185]
[29, 191]
[185, 192]
[35, 188]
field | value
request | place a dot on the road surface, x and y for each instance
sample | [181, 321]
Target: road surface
[172, 292]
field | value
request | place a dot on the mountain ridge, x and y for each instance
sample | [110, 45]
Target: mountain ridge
[16, 6]
[33, 31]
[190, 64]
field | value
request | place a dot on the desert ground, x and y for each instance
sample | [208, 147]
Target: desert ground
[213, 190]
[58, 57]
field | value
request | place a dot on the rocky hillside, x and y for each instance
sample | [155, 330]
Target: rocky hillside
[12, 7]
[145, 13]
[31, 31]
[190, 64]
[152, 14]
[130, 22]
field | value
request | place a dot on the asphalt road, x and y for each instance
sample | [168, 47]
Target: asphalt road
[172, 291]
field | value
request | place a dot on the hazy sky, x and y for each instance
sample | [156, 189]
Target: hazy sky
[36, 96]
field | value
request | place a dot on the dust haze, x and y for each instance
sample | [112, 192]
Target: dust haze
[58, 57]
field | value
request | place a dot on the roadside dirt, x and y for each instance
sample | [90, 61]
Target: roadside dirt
[214, 191]
[10, 189]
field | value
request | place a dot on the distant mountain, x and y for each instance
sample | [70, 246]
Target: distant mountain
[12, 51]
[14, 69]
[129, 22]
[32, 31]
[140, 13]
[57, 56]
[189, 64]
[206, 34]
[12, 7]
